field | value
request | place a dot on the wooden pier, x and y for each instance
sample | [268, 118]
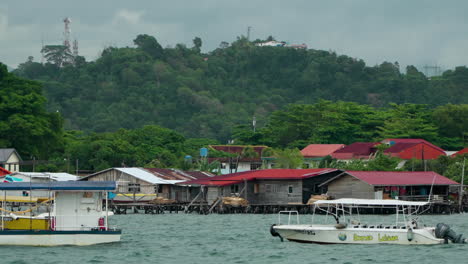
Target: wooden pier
[204, 208]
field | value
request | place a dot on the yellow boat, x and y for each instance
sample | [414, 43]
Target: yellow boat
[25, 223]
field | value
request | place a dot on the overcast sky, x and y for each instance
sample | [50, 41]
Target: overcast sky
[413, 32]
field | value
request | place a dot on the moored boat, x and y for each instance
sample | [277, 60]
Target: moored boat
[348, 229]
[77, 215]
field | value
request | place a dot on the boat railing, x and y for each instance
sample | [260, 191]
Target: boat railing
[290, 214]
[435, 198]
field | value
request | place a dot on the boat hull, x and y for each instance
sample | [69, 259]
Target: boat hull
[325, 234]
[57, 238]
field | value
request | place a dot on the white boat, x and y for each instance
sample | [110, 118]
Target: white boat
[348, 229]
[77, 215]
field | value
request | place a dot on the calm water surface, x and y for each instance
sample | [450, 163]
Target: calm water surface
[180, 238]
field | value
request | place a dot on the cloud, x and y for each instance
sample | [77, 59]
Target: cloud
[376, 31]
[128, 16]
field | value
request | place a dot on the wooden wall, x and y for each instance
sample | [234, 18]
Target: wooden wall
[350, 187]
[275, 192]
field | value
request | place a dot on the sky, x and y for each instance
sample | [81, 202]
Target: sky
[416, 32]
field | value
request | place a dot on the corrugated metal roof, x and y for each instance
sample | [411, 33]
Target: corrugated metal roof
[410, 140]
[401, 178]
[61, 186]
[179, 175]
[4, 172]
[359, 148]
[269, 174]
[461, 152]
[399, 147]
[320, 150]
[56, 176]
[143, 175]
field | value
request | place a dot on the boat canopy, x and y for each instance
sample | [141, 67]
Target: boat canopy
[349, 201]
[60, 186]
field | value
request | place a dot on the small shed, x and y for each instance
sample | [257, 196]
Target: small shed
[151, 181]
[10, 159]
[404, 185]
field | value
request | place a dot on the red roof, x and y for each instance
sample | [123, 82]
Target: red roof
[401, 178]
[421, 150]
[356, 150]
[4, 172]
[321, 150]
[461, 152]
[398, 147]
[410, 140]
[269, 174]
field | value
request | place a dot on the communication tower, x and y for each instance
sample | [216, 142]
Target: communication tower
[67, 33]
[75, 48]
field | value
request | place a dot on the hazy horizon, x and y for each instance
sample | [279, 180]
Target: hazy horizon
[412, 33]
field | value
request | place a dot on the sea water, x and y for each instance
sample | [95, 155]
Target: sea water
[233, 238]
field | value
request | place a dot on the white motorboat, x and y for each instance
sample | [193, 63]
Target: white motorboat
[77, 215]
[348, 228]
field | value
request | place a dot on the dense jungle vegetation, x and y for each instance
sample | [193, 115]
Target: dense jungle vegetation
[150, 106]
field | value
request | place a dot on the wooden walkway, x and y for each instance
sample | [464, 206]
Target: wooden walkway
[204, 208]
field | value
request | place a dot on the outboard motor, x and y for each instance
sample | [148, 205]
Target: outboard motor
[443, 231]
[274, 233]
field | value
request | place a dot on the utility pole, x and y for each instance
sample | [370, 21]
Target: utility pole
[248, 32]
[254, 123]
[76, 167]
[460, 198]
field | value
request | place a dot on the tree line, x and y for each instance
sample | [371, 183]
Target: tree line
[151, 106]
[208, 94]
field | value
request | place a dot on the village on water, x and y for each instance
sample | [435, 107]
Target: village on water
[254, 184]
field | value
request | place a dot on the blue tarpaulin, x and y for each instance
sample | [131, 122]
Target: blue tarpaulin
[60, 186]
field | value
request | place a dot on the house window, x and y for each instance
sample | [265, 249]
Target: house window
[272, 188]
[158, 188]
[234, 188]
[223, 166]
[290, 189]
[255, 166]
[133, 187]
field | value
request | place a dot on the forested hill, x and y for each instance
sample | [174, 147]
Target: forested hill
[206, 95]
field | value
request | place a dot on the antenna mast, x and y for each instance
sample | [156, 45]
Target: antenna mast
[66, 33]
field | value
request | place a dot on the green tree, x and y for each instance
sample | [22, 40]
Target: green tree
[409, 121]
[24, 122]
[288, 158]
[197, 43]
[150, 45]
[57, 54]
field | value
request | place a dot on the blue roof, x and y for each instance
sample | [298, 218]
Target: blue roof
[60, 186]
